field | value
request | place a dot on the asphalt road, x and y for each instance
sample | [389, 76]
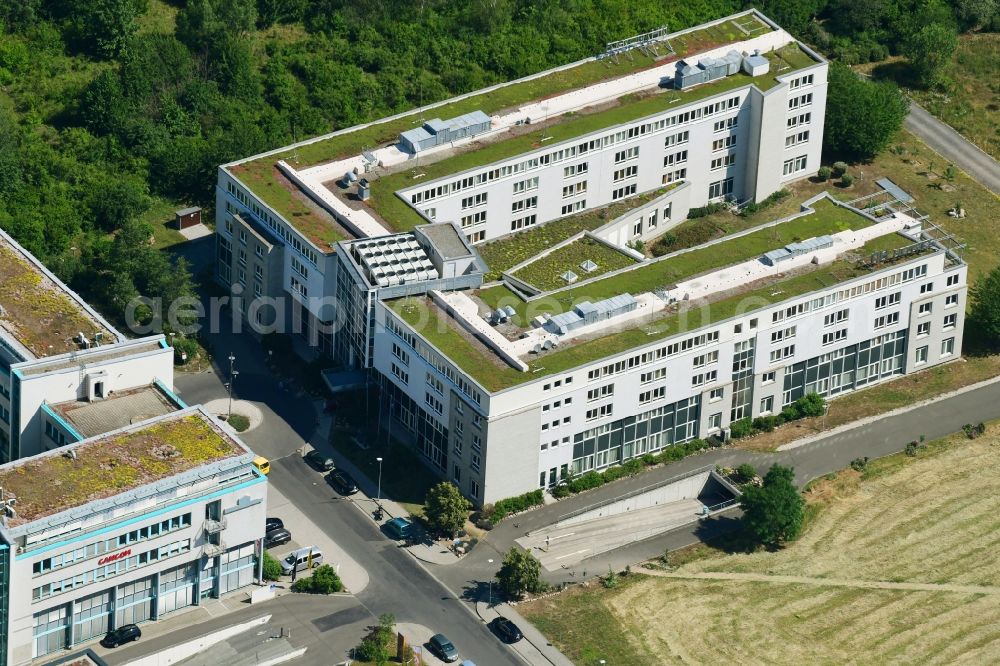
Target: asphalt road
[398, 583]
[952, 145]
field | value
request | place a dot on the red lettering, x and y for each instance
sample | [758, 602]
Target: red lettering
[114, 557]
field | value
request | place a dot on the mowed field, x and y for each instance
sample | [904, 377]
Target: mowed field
[834, 596]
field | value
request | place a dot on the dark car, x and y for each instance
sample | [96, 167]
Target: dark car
[123, 634]
[342, 482]
[319, 462]
[272, 524]
[442, 647]
[277, 537]
[506, 630]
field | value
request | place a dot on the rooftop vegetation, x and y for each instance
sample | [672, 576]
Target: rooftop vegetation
[494, 375]
[112, 465]
[827, 218]
[265, 181]
[39, 314]
[545, 273]
[502, 254]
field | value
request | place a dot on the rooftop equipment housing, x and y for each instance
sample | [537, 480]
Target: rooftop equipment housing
[438, 132]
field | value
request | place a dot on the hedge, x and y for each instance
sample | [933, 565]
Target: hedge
[505, 507]
[592, 479]
[808, 405]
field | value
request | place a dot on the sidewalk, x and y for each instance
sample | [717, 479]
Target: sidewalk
[305, 533]
[534, 648]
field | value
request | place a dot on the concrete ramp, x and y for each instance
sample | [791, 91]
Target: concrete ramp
[631, 517]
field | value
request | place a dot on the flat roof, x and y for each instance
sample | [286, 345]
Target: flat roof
[261, 176]
[40, 312]
[447, 240]
[112, 464]
[483, 365]
[121, 409]
[95, 356]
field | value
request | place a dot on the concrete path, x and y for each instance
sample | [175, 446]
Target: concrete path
[823, 582]
[220, 407]
[306, 533]
[563, 547]
[944, 140]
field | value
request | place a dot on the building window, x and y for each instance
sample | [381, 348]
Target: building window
[951, 301]
[767, 378]
[924, 308]
[921, 355]
[575, 189]
[952, 280]
[570, 208]
[715, 421]
[623, 192]
[715, 395]
[724, 161]
[948, 347]
[950, 322]
[795, 165]
[626, 155]
[924, 329]
[621, 174]
[767, 405]
[720, 188]
[722, 144]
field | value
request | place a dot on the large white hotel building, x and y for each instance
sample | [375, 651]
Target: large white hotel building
[583, 352]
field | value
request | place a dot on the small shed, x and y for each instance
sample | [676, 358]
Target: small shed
[187, 217]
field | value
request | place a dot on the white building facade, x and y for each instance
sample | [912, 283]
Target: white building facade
[133, 557]
[902, 319]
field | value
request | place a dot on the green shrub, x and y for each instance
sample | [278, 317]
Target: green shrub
[702, 211]
[185, 349]
[859, 464]
[847, 180]
[912, 448]
[824, 173]
[745, 473]
[974, 431]
[754, 207]
[324, 580]
[741, 428]
[839, 169]
[505, 507]
[271, 567]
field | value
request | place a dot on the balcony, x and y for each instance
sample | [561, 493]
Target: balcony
[213, 549]
[214, 526]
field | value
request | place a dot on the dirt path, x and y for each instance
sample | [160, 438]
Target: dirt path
[825, 582]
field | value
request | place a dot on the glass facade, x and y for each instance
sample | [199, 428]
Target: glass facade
[847, 368]
[618, 441]
[743, 355]
[431, 436]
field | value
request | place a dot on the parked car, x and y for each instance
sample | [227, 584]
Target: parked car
[443, 648]
[277, 537]
[400, 528]
[123, 634]
[301, 559]
[506, 630]
[319, 461]
[272, 524]
[342, 482]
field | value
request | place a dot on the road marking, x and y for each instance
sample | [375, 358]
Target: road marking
[568, 534]
[563, 557]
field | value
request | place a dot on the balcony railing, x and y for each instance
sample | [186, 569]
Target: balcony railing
[215, 526]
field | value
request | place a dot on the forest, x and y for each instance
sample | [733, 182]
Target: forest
[107, 106]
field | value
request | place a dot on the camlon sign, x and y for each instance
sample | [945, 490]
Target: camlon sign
[114, 557]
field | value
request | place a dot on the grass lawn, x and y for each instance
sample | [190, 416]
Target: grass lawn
[161, 18]
[827, 219]
[928, 519]
[160, 217]
[405, 477]
[502, 254]
[545, 273]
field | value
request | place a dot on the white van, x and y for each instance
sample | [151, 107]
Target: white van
[301, 559]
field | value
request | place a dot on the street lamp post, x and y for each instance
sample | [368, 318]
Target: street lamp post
[232, 379]
[378, 494]
[490, 605]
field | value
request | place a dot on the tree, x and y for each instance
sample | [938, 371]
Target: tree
[520, 573]
[445, 508]
[929, 51]
[271, 568]
[861, 116]
[375, 646]
[985, 316]
[773, 512]
[107, 24]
